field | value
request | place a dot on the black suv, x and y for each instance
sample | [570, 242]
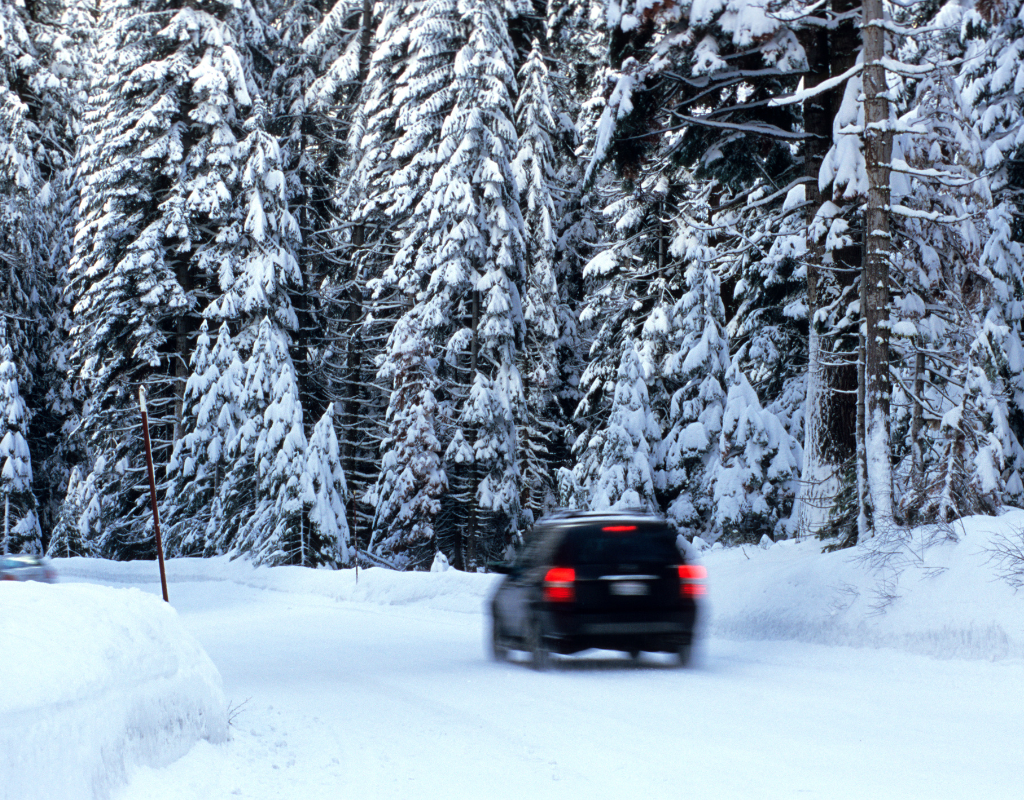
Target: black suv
[611, 580]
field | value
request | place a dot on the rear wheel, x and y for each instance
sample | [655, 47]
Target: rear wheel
[540, 656]
[499, 652]
[684, 653]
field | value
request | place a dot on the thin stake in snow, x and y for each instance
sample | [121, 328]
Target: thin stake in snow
[152, 492]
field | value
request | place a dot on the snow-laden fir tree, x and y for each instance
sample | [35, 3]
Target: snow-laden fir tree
[542, 175]
[70, 536]
[485, 233]
[36, 112]
[697, 366]
[412, 481]
[461, 259]
[991, 71]
[254, 255]
[266, 452]
[615, 467]
[325, 495]
[160, 168]
[360, 231]
[202, 456]
[278, 532]
[22, 218]
[758, 465]
[17, 502]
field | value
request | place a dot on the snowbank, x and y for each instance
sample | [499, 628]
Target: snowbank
[93, 682]
[933, 596]
[448, 590]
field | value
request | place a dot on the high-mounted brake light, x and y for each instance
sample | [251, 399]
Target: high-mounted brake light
[691, 580]
[619, 528]
[560, 585]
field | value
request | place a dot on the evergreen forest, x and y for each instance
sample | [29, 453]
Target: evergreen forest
[398, 277]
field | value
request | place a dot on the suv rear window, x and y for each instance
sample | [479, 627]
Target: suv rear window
[591, 546]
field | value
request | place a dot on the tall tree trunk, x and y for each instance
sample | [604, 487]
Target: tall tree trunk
[183, 352]
[818, 124]
[875, 276]
[473, 522]
[829, 427]
[864, 508]
[917, 425]
[352, 406]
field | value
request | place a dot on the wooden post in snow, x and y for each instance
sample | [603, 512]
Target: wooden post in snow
[152, 492]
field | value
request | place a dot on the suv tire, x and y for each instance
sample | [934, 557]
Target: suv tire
[540, 655]
[685, 654]
[499, 652]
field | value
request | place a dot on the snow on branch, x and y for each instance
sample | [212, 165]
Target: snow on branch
[743, 127]
[931, 216]
[821, 88]
[915, 70]
[945, 177]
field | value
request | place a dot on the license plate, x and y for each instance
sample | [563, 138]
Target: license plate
[628, 588]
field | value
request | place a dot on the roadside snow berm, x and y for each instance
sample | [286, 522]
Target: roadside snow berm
[97, 681]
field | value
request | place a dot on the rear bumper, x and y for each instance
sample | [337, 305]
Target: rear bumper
[664, 631]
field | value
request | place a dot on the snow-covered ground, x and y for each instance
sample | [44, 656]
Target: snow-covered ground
[95, 682]
[818, 677]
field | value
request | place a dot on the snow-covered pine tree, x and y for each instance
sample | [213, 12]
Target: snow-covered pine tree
[696, 170]
[22, 223]
[697, 366]
[412, 481]
[543, 168]
[755, 482]
[359, 237]
[159, 165]
[326, 494]
[476, 224]
[242, 495]
[254, 257]
[616, 465]
[992, 66]
[769, 327]
[278, 532]
[201, 457]
[258, 273]
[17, 502]
[536, 175]
[68, 538]
[36, 115]
[461, 257]
[79, 526]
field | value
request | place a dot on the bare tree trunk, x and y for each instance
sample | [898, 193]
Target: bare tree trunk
[829, 427]
[917, 425]
[472, 522]
[864, 515]
[183, 353]
[352, 405]
[875, 276]
[818, 124]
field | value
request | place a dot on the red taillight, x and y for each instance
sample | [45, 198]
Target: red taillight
[8, 578]
[619, 528]
[691, 580]
[560, 585]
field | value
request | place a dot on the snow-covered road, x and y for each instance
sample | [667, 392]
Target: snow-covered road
[356, 700]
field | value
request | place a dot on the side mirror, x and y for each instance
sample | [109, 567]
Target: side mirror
[500, 567]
